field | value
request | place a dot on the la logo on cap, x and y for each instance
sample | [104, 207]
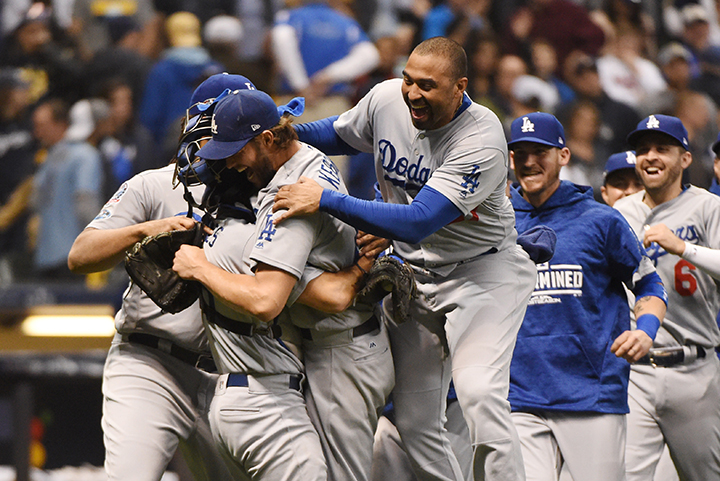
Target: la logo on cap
[213, 125]
[527, 126]
[652, 122]
[630, 157]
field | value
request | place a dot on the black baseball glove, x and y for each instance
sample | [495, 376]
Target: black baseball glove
[150, 262]
[390, 274]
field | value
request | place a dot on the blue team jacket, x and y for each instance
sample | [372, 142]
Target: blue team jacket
[562, 359]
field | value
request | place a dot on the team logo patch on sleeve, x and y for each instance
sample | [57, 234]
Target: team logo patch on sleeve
[471, 181]
[267, 233]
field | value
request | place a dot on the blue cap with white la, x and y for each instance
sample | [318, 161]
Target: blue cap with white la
[621, 160]
[666, 124]
[213, 86]
[538, 127]
[239, 118]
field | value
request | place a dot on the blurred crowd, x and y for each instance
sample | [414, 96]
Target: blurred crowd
[93, 91]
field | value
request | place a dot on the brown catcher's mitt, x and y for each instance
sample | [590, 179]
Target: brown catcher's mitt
[390, 274]
[150, 262]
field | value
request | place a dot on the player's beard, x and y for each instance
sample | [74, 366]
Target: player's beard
[262, 172]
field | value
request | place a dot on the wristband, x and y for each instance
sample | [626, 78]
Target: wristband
[648, 323]
[365, 273]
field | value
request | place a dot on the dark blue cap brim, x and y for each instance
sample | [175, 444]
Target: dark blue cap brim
[215, 150]
[534, 140]
[633, 136]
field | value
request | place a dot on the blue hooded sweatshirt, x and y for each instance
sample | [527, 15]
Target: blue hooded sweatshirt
[562, 359]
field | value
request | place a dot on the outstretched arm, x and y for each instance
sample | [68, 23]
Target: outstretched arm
[96, 250]
[428, 212]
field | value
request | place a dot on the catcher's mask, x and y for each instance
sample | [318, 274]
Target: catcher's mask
[190, 170]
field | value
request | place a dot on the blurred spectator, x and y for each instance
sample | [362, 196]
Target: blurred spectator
[509, 68]
[699, 116]
[625, 75]
[533, 94]
[674, 60]
[170, 83]
[97, 24]
[67, 186]
[17, 151]
[705, 62]
[318, 52]
[562, 23]
[617, 119]
[127, 148]
[622, 15]
[589, 151]
[483, 57]
[53, 69]
[457, 19]
[673, 19]
[122, 58]
[543, 61]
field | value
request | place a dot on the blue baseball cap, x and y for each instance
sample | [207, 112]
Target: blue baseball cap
[239, 118]
[215, 85]
[538, 127]
[619, 161]
[666, 124]
[716, 146]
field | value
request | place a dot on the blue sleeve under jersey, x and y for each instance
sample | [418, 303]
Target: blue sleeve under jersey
[428, 212]
[321, 135]
[650, 285]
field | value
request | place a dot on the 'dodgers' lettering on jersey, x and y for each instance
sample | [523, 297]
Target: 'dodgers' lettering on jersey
[686, 233]
[399, 169]
[557, 280]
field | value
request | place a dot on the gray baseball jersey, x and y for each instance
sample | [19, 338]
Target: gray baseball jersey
[229, 247]
[693, 296]
[319, 240]
[469, 310]
[141, 383]
[349, 376]
[149, 196]
[466, 161]
[679, 405]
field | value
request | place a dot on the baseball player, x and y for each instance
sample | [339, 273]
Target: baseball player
[715, 187]
[347, 356]
[674, 392]
[442, 170]
[155, 392]
[619, 177]
[569, 373]
[621, 180]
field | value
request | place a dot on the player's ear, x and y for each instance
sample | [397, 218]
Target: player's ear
[686, 159]
[512, 160]
[462, 84]
[564, 156]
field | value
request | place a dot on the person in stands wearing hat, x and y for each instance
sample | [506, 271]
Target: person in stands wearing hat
[619, 177]
[347, 357]
[674, 393]
[570, 368]
[173, 78]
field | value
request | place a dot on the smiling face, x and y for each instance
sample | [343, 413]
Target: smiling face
[537, 168]
[660, 163]
[430, 92]
[619, 184]
[255, 160]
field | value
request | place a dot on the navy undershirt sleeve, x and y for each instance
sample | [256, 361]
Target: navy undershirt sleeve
[321, 135]
[428, 212]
